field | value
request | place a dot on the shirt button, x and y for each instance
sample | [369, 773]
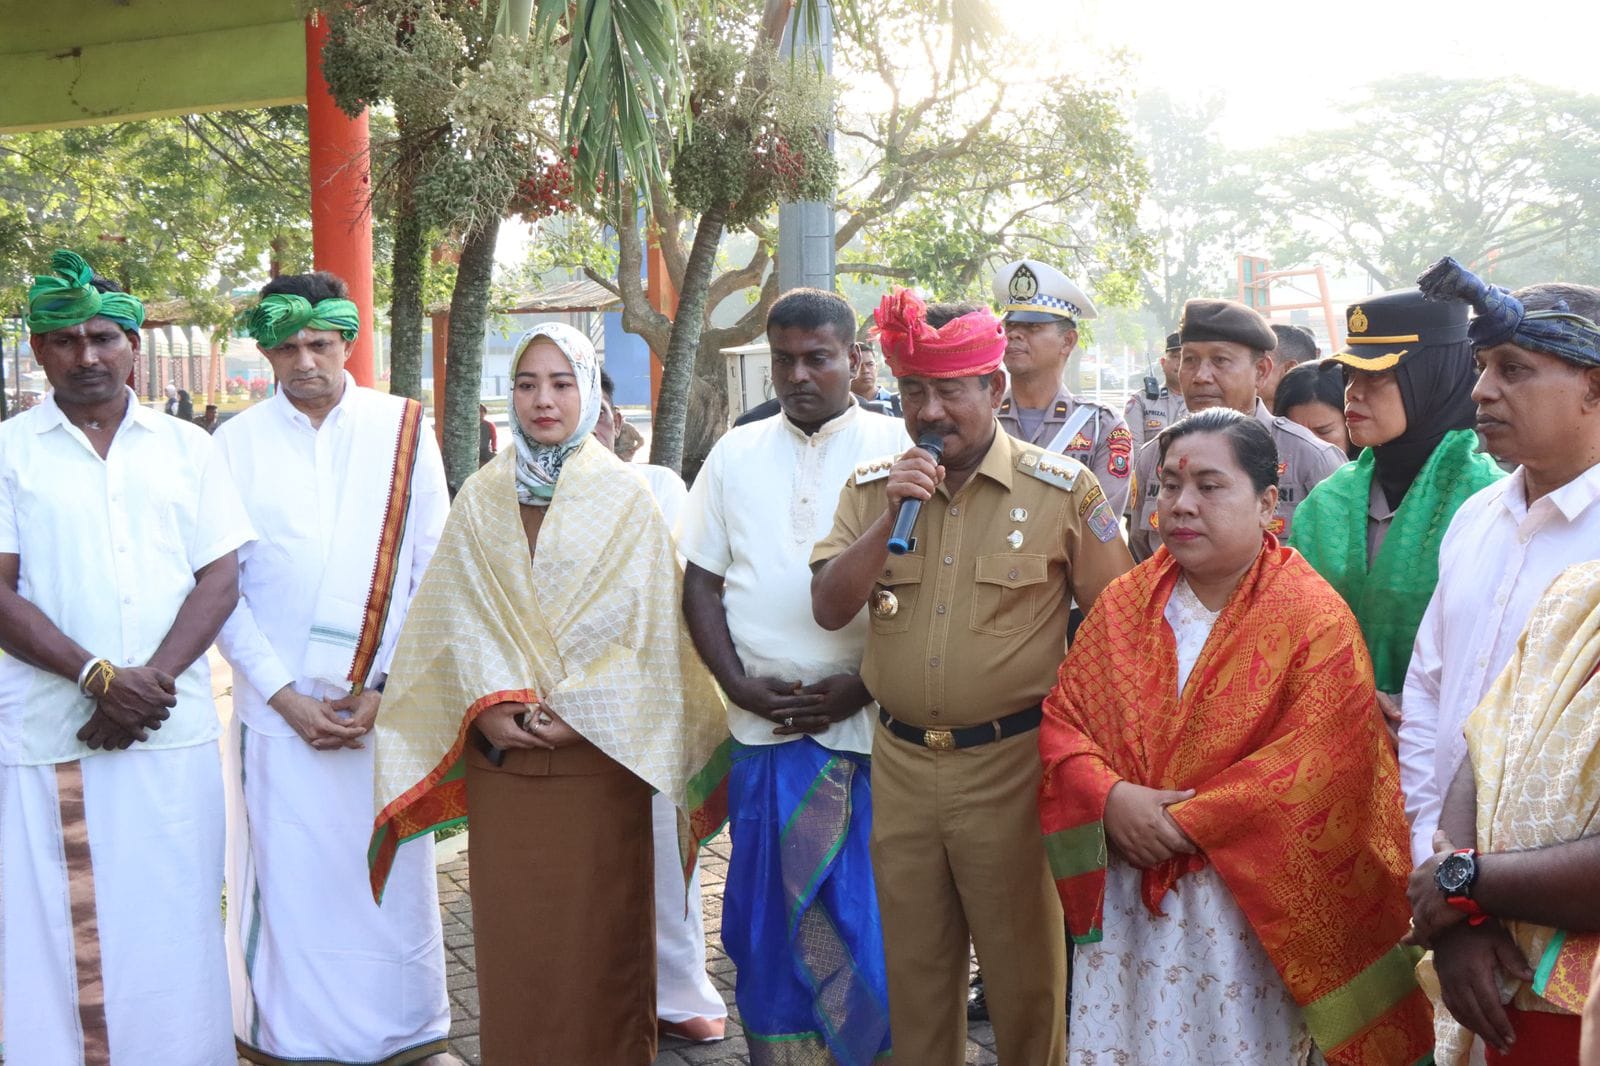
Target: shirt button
[122, 547]
[955, 511]
[127, 599]
[934, 661]
[939, 609]
[948, 559]
[936, 714]
[1011, 576]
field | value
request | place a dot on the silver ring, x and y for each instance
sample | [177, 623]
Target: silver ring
[789, 721]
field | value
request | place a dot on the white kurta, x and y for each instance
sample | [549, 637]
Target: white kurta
[766, 494]
[683, 988]
[112, 945]
[1496, 560]
[319, 970]
[1194, 987]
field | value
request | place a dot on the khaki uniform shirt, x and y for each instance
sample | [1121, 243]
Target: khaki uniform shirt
[1304, 459]
[1146, 418]
[1103, 443]
[970, 626]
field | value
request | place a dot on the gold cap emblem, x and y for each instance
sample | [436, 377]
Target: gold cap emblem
[1024, 286]
[1358, 320]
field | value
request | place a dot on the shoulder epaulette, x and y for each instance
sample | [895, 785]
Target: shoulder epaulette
[876, 470]
[1051, 468]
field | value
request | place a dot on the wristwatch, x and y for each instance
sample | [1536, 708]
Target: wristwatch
[1455, 876]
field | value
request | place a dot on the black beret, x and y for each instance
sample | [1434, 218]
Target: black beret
[1225, 320]
[1174, 340]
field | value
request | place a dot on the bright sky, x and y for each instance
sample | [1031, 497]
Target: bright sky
[1282, 67]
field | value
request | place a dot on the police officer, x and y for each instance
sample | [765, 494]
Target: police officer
[1226, 355]
[1160, 403]
[965, 635]
[1042, 307]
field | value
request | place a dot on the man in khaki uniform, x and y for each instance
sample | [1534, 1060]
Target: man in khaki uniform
[1041, 307]
[1227, 354]
[965, 636]
[1148, 415]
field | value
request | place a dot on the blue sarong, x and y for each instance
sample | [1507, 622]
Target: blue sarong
[800, 910]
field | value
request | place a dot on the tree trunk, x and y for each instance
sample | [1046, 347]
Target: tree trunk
[469, 311]
[405, 306]
[677, 371]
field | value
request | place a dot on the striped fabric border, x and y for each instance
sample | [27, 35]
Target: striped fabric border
[392, 535]
[85, 922]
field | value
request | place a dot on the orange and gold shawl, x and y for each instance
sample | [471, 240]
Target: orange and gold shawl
[1297, 799]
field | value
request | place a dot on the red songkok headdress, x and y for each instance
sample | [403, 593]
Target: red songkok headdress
[963, 347]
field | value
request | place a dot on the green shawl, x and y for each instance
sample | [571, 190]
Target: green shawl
[1330, 530]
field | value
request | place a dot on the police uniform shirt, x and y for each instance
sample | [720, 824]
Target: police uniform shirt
[970, 625]
[1146, 418]
[1102, 443]
[1304, 459]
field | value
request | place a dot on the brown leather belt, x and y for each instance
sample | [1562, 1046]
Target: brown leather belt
[967, 736]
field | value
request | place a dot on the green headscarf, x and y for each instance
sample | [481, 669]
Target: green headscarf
[281, 315]
[68, 297]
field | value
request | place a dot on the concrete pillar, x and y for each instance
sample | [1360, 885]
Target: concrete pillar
[806, 230]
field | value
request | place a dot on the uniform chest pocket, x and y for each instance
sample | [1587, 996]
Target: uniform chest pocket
[1010, 592]
[894, 597]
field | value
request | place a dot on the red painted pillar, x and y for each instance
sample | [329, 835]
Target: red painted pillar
[341, 224]
[663, 296]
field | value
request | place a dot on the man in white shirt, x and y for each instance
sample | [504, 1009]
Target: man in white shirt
[1539, 407]
[799, 913]
[347, 493]
[119, 530]
[688, 1005]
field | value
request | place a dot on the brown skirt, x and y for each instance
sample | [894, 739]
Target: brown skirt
[561, 868]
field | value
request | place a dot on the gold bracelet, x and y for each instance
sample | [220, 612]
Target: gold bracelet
[101, 673]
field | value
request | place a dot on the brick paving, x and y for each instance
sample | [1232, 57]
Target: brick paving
[461, 975]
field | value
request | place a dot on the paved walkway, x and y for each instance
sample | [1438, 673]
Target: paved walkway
[462, 978]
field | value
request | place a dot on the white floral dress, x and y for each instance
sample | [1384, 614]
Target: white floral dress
[1194, 987]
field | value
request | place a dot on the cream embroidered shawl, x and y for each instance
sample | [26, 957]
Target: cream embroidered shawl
[592, 624]
[1534, 742]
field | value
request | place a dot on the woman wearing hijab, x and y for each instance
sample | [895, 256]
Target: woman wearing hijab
[544, 684]
[1373, 528]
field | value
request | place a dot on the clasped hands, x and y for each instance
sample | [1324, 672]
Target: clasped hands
[1469, 959]
[1139, 826]
[135, 703]
[328, 724]
[798, 708]
[522, 725]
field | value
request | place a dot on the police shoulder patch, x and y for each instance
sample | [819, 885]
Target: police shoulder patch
[1051, 468]
[875, 470]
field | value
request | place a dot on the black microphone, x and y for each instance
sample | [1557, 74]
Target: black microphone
[900, 538]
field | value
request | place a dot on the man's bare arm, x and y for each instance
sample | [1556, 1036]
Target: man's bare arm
[200, 618]
[27, 632]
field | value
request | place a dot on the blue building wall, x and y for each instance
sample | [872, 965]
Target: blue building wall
[628, 362]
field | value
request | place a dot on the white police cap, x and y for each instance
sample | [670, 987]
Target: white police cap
[1031, 291]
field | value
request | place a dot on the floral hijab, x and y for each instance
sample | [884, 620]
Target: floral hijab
[539, 465]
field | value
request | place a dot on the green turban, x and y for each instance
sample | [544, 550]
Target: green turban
[67, 297]
[281, 315]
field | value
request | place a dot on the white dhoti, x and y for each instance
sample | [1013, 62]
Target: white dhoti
[111, 902]
[683, 988]
[319, 971]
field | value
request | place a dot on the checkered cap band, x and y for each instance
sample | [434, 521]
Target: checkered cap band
[1042, 300]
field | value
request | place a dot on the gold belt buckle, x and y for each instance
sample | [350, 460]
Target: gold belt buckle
[939, 739]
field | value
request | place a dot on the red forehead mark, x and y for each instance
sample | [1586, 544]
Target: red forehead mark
[1183, 462]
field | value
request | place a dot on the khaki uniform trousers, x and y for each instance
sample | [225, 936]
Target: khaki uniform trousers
[958, 853]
